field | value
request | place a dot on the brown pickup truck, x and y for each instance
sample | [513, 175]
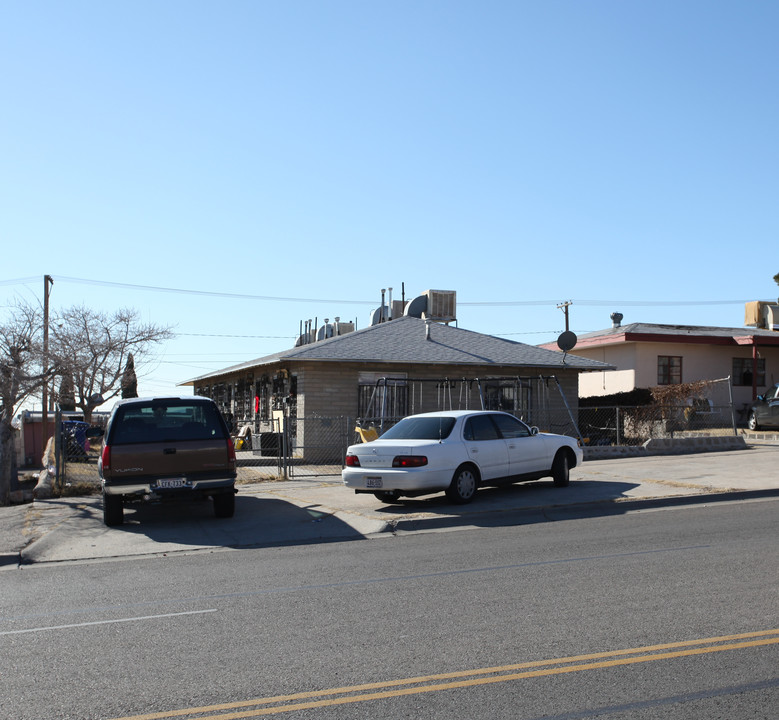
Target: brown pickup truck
[166, 448]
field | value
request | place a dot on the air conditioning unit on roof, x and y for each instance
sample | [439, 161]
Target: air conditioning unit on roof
[763, 315]
[441, 305]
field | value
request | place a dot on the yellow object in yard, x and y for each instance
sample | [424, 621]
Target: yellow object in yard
[367, 434]
[239, 443]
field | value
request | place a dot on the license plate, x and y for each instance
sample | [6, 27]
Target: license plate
[373, 482]
[171, 483]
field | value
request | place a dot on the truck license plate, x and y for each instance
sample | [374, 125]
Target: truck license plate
[373, 482]
[171, 483]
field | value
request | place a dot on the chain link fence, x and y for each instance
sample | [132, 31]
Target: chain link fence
[307, 447]
[635, 425]
[76, 455]
[316, 446]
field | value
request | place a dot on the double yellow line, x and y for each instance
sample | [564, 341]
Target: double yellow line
[467, 678]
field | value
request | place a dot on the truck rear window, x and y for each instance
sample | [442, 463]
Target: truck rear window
[160, 422]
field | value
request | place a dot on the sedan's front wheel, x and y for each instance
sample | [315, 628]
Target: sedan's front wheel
[463, 486]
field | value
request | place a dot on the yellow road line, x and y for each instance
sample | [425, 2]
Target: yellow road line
[562, 665]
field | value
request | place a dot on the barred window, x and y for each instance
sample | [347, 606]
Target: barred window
[669, 370]
[377, 393]
[742, 371]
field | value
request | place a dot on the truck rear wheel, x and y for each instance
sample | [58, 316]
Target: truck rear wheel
[224, 505]
[113, 510]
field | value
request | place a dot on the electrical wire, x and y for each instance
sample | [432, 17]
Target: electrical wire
[273, 298]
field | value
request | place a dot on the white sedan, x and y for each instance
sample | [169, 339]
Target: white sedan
[457, 451]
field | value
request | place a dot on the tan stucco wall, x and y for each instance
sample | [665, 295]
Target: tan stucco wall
[331, 390]
[637, 366]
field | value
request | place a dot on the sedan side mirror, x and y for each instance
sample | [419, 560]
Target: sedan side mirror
[534, 430]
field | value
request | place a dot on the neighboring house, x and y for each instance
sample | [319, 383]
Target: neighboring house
[428, 365]
[647, 355]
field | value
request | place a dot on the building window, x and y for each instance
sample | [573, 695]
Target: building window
[742, 372]
[669, 370]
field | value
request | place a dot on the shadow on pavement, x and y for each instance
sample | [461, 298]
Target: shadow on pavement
[531, 503]
[257, 522]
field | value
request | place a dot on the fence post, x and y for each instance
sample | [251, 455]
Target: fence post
[285, 444]
[59, 455]
[732, 406]
[617, 416]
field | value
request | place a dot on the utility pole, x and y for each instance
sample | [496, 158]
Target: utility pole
[564, 307]
[48, 281]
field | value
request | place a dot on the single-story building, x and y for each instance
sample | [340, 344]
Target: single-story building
[395, 368]
[647, 355]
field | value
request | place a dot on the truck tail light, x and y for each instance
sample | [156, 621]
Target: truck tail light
[230, 451]
[409, 461]
[105, 458]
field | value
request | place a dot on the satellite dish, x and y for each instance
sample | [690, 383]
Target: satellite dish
[415, 307]
[326, 331]
[567, 341]
[379, 315]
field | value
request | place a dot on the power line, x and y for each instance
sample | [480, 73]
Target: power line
[208, 293]
[261, 337]
[272, 298]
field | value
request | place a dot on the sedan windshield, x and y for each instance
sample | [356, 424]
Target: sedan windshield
[420, 428]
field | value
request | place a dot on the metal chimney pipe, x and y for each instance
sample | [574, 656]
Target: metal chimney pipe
[616, 319]
[389, 314]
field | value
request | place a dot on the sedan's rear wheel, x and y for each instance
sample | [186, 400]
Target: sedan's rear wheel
[463, 486]
[561, 469]
[387, 496]
[752, 422]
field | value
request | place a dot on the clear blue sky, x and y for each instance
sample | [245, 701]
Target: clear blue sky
[622, 155]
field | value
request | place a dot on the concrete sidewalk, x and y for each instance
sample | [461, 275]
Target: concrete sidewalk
[320, 509]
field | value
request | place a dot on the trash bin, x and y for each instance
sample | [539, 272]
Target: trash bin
[270, 444]
[75, 442]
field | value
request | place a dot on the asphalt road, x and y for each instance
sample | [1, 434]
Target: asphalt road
[658, 613]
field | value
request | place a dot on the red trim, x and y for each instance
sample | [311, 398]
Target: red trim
[675, 339]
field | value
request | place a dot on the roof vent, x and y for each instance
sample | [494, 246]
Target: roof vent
[616, 319]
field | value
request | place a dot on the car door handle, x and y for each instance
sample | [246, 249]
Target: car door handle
[169, 451]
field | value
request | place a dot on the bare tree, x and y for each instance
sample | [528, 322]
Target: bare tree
[21, 375]
[94, 346]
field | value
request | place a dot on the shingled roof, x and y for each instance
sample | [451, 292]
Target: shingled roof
[410, 340]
